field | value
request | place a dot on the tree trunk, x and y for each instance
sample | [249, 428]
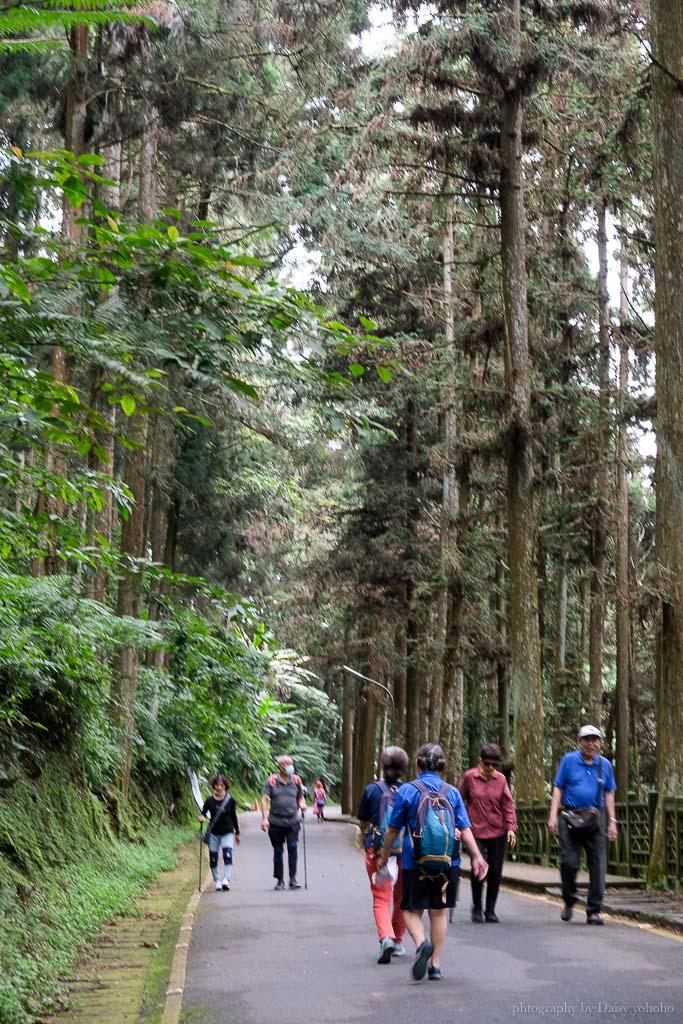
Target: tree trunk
[449, 483]
[412, 677]
[667, 76]
[502, 666]
[75, 114]
[453, 713]
[399, 688]
[559, 677]
[525, 654]
[347, 745]
[623, 601]
[125, 666]
[599, 539]
[125, 672]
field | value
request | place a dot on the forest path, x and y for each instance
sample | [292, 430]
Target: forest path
[259, 957]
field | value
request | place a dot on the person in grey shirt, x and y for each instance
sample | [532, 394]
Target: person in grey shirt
[281, 800]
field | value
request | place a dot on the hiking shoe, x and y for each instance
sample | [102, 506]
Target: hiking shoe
[386, 948]
[218, 886]
[293, 884]
[477, 916]
[226, 885]
[399, 949]
[280, 885]
[491, 917]
[434, 974]
[567, 912]
[594, 919]
[422, 955]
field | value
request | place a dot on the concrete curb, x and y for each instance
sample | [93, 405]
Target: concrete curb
[176, 982]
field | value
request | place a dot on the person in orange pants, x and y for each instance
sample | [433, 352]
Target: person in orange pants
[373, 813]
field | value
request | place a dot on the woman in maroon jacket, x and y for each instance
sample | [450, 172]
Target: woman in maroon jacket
[491, 810]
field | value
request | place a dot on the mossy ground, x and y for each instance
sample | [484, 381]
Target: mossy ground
[67, 865]
[91, 899]
[124, 977]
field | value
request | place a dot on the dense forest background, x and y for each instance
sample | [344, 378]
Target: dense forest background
[433, 465]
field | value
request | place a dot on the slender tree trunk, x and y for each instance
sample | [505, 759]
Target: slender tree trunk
[453, 717]
[599, 540]
[565, 708]
[147, 196]
[502, 665]
[399, 688]
[667, 76]
[75, 114]
[412, 634]
[425, 668]
[74, 133]
[525, 653]
[348, 714]
[125, 667]
[449, 483]
[559, 677]
[623, 609]
[102, 523]
[366, 729]
[133, 532]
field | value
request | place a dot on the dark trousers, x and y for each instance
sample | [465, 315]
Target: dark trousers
[493, 852]
[279, 835]
[570, 860]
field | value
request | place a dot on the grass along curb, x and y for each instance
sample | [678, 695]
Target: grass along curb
[125, 977]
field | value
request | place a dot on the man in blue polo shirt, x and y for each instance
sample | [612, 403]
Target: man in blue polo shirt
[584, 779]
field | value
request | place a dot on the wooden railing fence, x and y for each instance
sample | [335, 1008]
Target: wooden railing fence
[628, 856]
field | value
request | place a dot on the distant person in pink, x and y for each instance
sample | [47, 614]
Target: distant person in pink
[319, 800]
[491, 811]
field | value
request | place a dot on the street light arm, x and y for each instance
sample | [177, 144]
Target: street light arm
[369, 680]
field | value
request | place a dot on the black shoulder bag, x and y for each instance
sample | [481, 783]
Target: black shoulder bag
[206, 834]
[584, 822]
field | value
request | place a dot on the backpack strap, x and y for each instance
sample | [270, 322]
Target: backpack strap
[219, 811]
[272, 779]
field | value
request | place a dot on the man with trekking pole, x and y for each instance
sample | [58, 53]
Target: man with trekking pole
[282, 799]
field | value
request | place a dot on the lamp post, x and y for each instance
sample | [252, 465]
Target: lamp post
[369, 680]
[353, 771]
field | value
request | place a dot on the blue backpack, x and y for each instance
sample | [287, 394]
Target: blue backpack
[386, 805]
[433, 836]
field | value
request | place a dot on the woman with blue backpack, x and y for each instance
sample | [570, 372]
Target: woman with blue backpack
[432, 814]
[373, 815]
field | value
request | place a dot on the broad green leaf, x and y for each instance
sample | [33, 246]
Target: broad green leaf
[90, 160]
[336, 325]
[241, 387]
[384, 373]
[127, 403]
[356, 369]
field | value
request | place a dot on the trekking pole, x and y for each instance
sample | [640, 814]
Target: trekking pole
[199, 881]
[303, 833]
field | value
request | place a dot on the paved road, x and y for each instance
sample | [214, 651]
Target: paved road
[261, 957]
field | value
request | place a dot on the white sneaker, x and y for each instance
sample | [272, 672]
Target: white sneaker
[218, 886]
[225, 885]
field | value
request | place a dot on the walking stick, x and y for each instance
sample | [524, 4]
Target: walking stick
[199, 881]
[303, 833]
